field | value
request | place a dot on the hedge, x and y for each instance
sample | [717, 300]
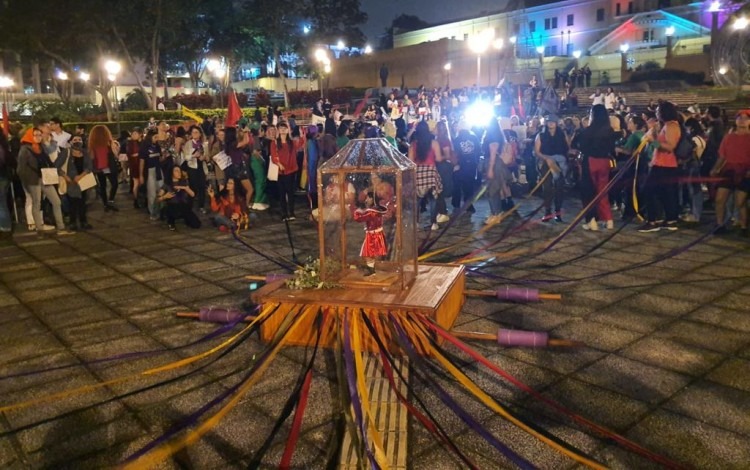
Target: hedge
[124, 125]
[696, 78]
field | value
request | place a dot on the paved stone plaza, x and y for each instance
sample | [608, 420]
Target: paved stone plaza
[666, 361]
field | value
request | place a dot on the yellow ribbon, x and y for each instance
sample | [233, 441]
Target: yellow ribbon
[147, 372]
[364, 397]
[164, 451]
[467, 383]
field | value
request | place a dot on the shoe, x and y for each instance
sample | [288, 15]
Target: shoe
[435, 227]
[689, 219]
[172, 228]
[591, 225]
[559, 219]
[261, 206]
[671, 225]
[291, 217]
[203, 211]
[470, 210]
[63, 232]
[86, 226]
[610, 224]
[31, 227]
[442, 218]
[649, 227]
[547, 217]
[48, 228]
[721, 230]
[136, 205]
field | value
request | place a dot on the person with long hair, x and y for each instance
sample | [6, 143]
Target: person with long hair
[177, 198]
[445, 169]
[284, 154]
[235, 143]
[259, 169]
[597, 145]
[103, 150]
[32, 157]
[551, 148]
[424, 150]
[150, 171]
[227, 208]
[661, 185]
[194, 154]
[133, 150]
[466, 148]
[734, 166]
[215, 174]
[498, 174]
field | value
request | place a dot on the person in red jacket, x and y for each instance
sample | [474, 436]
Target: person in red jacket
[228, 210]
[284, 154]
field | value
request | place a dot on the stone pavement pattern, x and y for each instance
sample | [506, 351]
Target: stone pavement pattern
[666, 361]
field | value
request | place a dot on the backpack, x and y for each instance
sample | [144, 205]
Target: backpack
[685, 150]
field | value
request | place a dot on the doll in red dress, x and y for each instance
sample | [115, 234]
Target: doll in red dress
[374, 245]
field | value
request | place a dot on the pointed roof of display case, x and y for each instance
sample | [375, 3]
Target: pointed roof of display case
[368, 154]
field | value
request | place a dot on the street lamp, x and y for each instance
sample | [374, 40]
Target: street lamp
[624, 48]
[321, 56]
[540, 50]
[341, 44]
[85, 77]
[722, 70]
[368, 49]
[740, 23]
[112, 67]
[62, 75]
[577, 54]
[479, 44]
[669, 32]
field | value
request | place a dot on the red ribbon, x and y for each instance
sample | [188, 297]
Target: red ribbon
[291, 443]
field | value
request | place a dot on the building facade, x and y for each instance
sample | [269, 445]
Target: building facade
[559, 29]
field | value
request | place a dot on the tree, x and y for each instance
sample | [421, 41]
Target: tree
[332, 20]
[401, 24]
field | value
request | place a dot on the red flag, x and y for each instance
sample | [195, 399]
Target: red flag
[234, 113]
[361, 105]
[6, 121]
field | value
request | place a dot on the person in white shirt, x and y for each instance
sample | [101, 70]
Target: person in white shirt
[597, 98]
[161, 106]
[610, 99]
[58, 134]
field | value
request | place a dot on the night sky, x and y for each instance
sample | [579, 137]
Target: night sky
[382, 12]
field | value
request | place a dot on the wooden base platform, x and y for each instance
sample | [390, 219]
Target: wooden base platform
[437, 292]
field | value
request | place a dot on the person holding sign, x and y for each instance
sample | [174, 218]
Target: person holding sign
[32, 160]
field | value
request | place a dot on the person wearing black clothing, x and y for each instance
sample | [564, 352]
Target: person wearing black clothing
[551, 149]
[466, 147]
[178, 198]
[714, 136]
[597, 144]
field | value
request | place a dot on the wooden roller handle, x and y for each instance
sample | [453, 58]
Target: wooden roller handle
[564, 343]
[550, 296]
[485, 293]
[475, 335]
[187, 314]
[255, 278]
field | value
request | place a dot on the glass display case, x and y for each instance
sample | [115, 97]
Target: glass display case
[367, 220]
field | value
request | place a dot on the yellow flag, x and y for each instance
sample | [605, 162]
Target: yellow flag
[189, 113]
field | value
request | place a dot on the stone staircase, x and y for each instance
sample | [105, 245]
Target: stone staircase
[640, 99]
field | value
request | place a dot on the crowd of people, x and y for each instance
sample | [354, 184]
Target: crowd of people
[669, 164]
